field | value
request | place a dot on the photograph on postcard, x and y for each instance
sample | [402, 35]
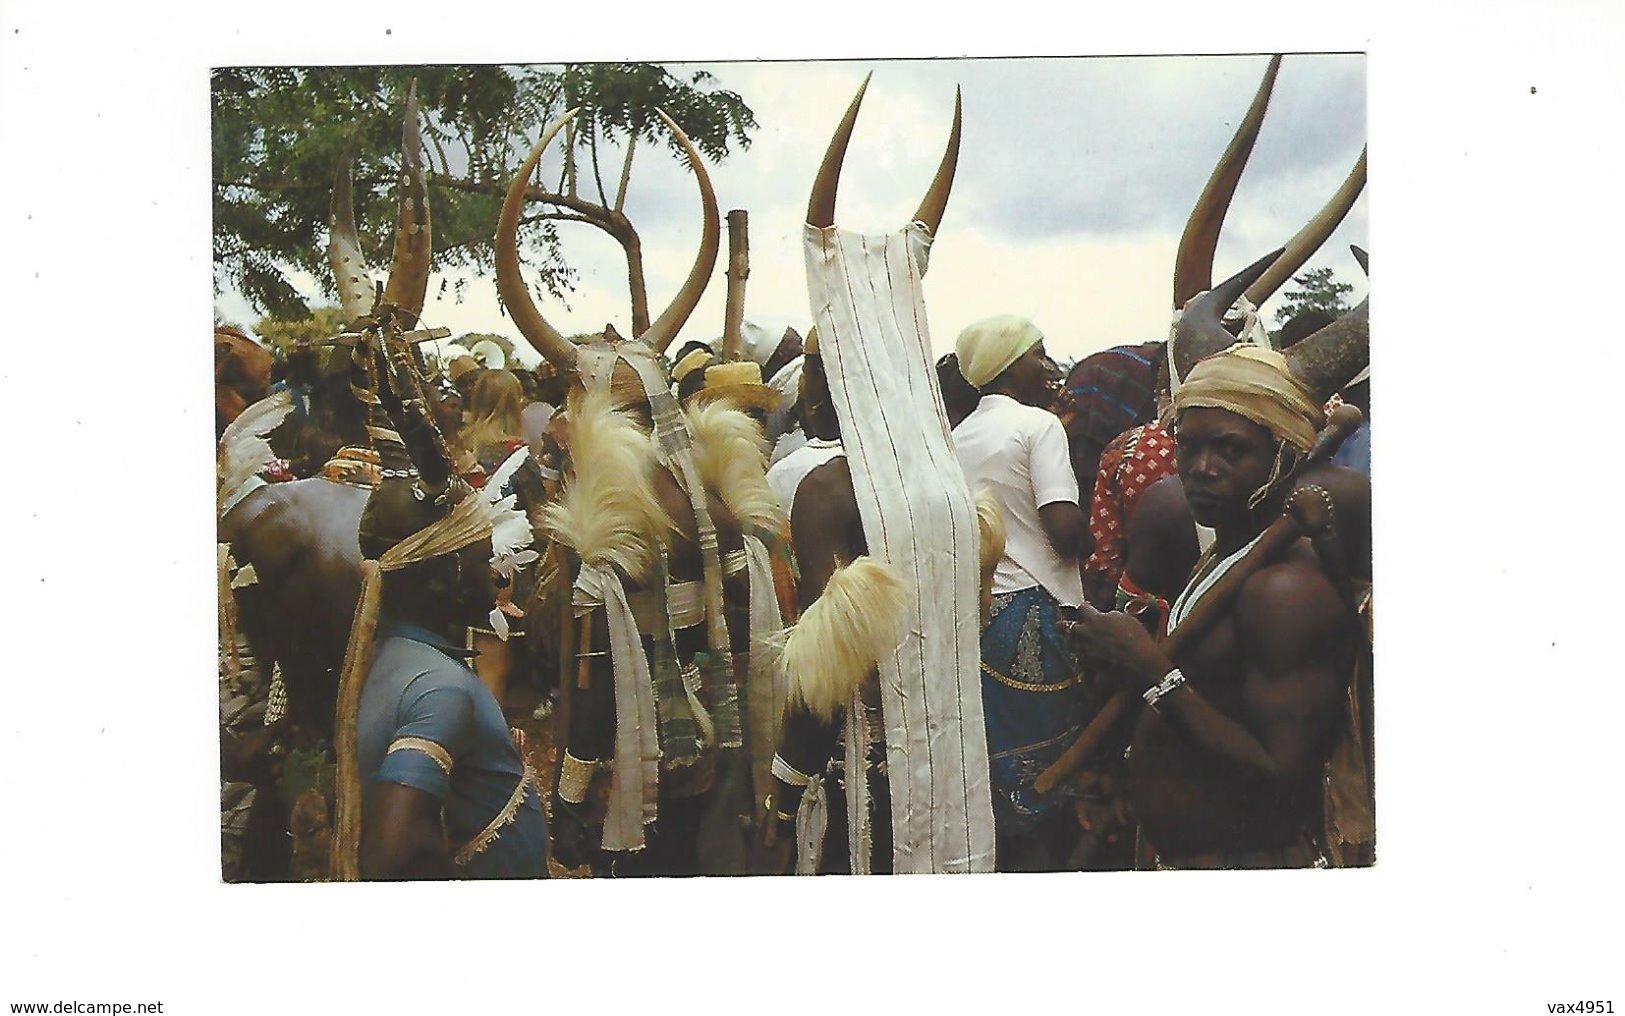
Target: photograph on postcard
[770, 468]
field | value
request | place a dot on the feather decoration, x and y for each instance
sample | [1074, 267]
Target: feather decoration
[990, 534]
[499, 479]
[730, 452]
[842, 636]
[609, 512]
[243, 449]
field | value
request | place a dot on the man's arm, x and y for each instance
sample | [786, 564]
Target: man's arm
[1294, 632]
[827, 532]
[403, 838]
[402, 835]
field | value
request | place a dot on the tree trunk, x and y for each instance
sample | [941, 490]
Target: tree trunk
[634, 280]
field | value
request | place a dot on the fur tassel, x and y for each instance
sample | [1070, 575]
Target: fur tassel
[990, 544]
[842, 636]
[609, 512]
[730, 451]
[243, 450]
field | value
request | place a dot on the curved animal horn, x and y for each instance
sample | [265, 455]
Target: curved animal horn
[1308, 239]
[1327, 360]
[665, 328]
[821, 205]
[936, 199]
[409, 272]
[344, 243]
[1193, 265]
[546, 340]
[1200, 332]
[1363, 258]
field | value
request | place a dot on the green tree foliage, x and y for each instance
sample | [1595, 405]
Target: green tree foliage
[281, 334]
[279, 133]
[1316, 290]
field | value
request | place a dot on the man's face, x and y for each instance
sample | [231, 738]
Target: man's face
[1223, 458]
[1032, 379]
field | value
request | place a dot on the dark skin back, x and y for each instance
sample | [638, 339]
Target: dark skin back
[1161, 547]
[300, 538]
[1231, 761]
[827, 532]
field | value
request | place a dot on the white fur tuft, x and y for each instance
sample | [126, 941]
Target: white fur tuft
[609, 512]
[730, 452]
[843, 635]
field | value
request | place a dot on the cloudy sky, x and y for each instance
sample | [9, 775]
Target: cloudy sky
[1075, 179]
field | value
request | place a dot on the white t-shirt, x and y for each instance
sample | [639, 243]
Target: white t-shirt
[784, 476]
[1020, 456]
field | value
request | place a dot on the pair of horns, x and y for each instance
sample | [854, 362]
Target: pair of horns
[1193, 265]
[1324, 361]
[408, 280]
[821, 205]
[558, 350]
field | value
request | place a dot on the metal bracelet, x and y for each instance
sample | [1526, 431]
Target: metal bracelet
[1154, 694]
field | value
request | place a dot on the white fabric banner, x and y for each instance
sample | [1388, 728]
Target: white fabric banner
[766, 693]
[635, 776]
[918, 516]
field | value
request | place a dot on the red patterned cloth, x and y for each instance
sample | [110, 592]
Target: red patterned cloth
[1131, 462]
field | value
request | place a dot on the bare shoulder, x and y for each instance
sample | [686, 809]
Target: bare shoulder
[825, 515]
[1291, 599]
[1350, 488]
[1162, 504]
[826, 492]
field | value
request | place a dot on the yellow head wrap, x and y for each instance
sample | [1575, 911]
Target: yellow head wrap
[1256, 384]
[987, 347]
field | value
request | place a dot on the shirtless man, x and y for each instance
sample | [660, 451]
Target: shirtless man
[1224, 768]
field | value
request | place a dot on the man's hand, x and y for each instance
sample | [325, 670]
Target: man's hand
[572, 836]
[1116, 644]
[773, 852]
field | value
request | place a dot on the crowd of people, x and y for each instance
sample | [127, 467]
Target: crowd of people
[793, 602]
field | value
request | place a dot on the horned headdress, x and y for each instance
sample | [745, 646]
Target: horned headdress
[1193, 264]
[918, 519]
[630, 373]
[421, 510]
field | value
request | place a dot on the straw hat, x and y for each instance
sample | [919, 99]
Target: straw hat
[739, 382]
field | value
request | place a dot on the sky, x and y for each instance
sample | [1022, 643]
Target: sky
[1075, 179]
[1494, 220]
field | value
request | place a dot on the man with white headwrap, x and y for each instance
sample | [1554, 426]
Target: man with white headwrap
[1033, 693]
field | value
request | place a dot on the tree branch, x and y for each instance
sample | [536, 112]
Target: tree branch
[445, 167]
[626, 172]
[592, 141]
[598, 215]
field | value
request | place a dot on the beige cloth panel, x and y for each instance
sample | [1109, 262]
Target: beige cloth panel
[918, 515]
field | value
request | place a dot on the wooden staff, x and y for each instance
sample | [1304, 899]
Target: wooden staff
[738, 271]
[1307, 511]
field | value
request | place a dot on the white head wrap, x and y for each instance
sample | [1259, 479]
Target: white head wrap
[987, 347]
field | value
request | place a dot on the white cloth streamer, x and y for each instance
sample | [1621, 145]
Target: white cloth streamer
[634, 785]
[918, 516]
